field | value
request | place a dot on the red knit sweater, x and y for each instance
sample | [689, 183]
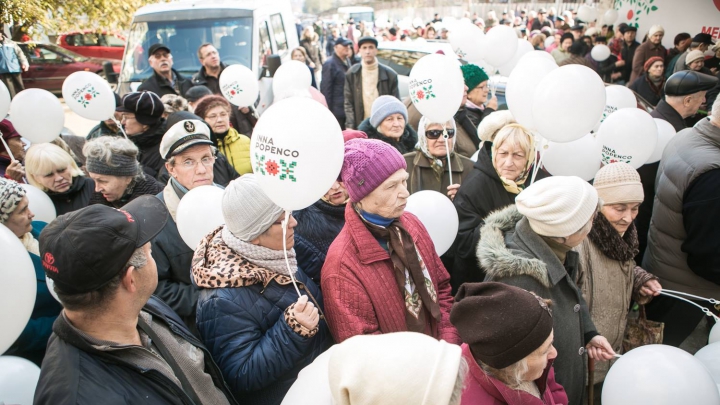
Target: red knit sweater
[359, 288]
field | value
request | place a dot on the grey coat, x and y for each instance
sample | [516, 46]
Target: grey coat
[511, 252]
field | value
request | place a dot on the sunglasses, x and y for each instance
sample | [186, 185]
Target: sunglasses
[437, 133]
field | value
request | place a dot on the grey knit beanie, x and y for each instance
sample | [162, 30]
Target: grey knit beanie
[383, 107]
[247, 210]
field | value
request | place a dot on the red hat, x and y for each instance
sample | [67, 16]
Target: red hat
[648, 64]
[8, 132]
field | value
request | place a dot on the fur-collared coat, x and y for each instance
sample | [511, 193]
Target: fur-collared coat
[511, 252]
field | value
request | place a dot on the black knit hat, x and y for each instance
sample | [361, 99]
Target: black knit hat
[502, 324]
[146, 105]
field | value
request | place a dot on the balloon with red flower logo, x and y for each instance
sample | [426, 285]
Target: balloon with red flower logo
[89, 96]
[239, 85]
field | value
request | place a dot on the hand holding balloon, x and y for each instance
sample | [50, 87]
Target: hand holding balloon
[599, 349]
[306, 313]
[452, 190]
[15, 171]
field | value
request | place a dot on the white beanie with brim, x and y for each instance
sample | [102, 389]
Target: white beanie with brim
[403, 368]
[558, 206]
[655, 29]
[494, 122]
[247, 210]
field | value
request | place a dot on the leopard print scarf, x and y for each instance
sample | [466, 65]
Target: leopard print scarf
[273, 260]
[611, 243]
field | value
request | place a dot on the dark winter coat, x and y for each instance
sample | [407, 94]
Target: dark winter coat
[245, 328]
[147, 185]
[627, 53]
[476, 115]
[161, 86]
[149, 144]
[387, 85]
[202, 79]
[318, 226]
[75, 372]
[423, 177]
[313, 52]
[512, 253]
[76, 197]
[34, 338]
[223, 172]
[332, 85]
[645, 90]
[644, 52]
[607, 67]
[101, 129]
[481, 193]
[405, 144]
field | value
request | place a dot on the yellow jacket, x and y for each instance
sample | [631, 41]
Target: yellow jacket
[236, 148]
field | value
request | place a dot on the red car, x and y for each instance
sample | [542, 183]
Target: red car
[50, 65]
[92, 44]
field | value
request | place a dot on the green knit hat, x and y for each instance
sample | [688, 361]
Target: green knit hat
[473, 75]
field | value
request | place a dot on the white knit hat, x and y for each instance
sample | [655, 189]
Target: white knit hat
[655, 29]
[693, 56]
[247, 210]
[558, 206]
[403, 368]
[618, 183]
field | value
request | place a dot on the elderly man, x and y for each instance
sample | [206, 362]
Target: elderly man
[700, 42]
[684, 93]
[541, 21]
[114, 342]
[189, 157]
[652, 47]
[165, 79]
[685, 229]
[12, 63]
[627, 52]
[365, 82]
[332, 85]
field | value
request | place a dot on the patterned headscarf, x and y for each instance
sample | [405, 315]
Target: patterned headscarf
[11, 193]
[436, 163]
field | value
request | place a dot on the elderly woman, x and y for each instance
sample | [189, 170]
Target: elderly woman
[608, 278]
[695, 60]
[476, 81]
[388, 122]
[112, 163]
[502, 170]
[650, 84]
[428, 166]
[562, 52]
[382, 273]
[300, 54]
[189, 158]
[11, 168]
[510, 361]
[17, 217]
[216, 110]
[54, 171]
[144, 125]
[529, 245]
[249, 315]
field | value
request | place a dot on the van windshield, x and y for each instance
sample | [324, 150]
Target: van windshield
[232, 37]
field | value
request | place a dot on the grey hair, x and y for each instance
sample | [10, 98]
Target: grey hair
[456, 395]
[104, 147]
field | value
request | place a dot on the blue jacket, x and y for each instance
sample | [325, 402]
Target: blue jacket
[33, 339]
[332, 85]
[10, 55]
[245, 330]
[318, 226]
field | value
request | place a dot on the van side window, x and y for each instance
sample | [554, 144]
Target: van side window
[279, 32]
[265, 45]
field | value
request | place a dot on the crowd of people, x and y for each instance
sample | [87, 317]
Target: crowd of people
[347, 301]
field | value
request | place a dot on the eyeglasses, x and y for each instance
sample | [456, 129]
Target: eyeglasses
[437, 133]
[216, 116]
[191, 164]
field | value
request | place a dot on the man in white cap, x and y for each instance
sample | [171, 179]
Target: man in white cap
[529, 245]
[652, 47]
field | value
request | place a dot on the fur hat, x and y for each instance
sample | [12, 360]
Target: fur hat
[618, 183]
[494, 122]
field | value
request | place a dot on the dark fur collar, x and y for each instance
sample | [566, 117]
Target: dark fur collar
[609, 241]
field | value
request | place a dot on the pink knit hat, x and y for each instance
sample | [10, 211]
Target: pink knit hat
[368, 163]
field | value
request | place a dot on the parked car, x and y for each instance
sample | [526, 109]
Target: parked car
[93, 44]
[51, 64]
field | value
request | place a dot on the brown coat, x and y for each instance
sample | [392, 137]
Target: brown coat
[463, 143]
[423, 177]
[644, 52]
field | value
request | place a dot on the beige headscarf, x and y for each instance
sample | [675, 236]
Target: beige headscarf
[515, 186]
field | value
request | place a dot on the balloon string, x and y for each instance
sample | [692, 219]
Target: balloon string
[120, 126]
[7, 148]
[710, 300]
[702, 308]
[447, 150]
[285, 222]
[538, 162]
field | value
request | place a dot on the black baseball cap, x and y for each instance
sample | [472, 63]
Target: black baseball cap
[85, 249]
[703, 39]
[156, 47]
[343, 41]
[146, 105]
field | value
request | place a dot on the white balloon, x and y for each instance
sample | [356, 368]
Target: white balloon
[40, 204]
[18, 379]
[549, 41]
[239, 85]
[4, 100]
[466, 40]
[297, 152]
[575, 90]
[579, 158]
[436, 87]
[658, 375]
[522, 84]
[665, 132]
[89, 96]
[537, 54]
[524, 47]
[18, 287]
[587, 13]
[24, 110]
[439, 216]
[616, 98]
[628, 135]
[500, 45]
[199, 212]
[610, 17]
[51, 287]
[709, 356]
[714, 334]
[475, 155]
[600, 52]
[291, 75]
